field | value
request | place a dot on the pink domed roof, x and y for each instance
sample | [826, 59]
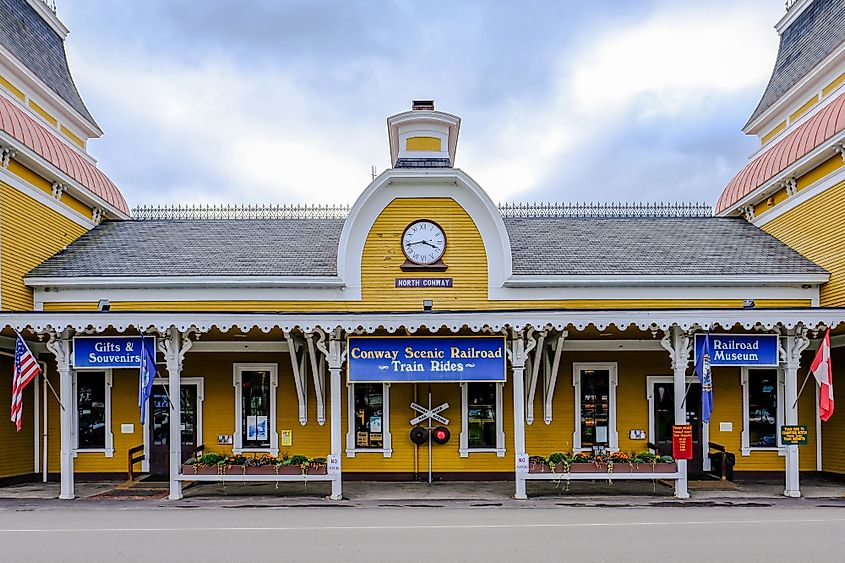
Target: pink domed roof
[43, 142]
[810, 135]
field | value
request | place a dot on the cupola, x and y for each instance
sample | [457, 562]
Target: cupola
[423, 137]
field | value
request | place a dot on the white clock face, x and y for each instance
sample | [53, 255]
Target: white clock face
[423, 242]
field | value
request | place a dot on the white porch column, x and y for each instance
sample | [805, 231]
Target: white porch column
[59, 345]
[336, 354]
[518, 353]
[792, 345]
[679, 345]
[175, 347]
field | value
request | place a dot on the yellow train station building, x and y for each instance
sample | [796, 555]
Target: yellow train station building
[303, 335]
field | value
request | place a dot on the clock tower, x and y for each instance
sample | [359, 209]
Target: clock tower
[423, 137]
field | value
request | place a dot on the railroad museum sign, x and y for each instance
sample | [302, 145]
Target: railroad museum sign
[759, 350]
[423, 359]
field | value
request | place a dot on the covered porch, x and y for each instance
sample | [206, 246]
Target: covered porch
[640, 352]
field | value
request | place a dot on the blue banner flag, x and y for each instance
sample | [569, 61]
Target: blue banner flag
[705, 375]
[147, 376]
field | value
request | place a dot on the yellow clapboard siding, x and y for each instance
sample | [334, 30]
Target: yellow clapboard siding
[18, 455]
[356, 306]
[12, 89]
[833, 85]
[72, 136]
[816, 229]
[30, 232]
[833, 431]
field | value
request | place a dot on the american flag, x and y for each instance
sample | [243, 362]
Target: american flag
[25, 369]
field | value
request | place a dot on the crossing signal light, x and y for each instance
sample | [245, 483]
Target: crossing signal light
[419, 435]
[440, 435]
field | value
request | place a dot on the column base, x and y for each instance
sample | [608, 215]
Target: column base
[67, 497]
[520, 496]
[681, 496]
[792, 494]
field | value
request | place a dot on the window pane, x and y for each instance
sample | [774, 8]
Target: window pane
[595, 407]
[762, 408]
[91, 409]
[481, 415]
[255, 409]
[369, 415]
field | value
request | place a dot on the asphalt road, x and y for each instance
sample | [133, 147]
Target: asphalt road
[620, 535]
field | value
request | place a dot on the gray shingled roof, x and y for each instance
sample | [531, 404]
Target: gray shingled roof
[814, 34]
[34, 43]
[252, 247]
[649, 246]
[308, 247]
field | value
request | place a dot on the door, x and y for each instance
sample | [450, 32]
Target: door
[664, 419]
[160, 427]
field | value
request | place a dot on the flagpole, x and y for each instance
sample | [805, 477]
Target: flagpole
[801, 390]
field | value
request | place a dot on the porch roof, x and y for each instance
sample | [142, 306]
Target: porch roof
[622, 319]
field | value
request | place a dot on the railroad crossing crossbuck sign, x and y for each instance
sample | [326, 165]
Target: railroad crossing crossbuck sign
[429, 414]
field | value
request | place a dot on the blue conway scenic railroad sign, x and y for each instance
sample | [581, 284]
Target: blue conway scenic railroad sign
[759, 350]
[423, 359]
[104, 352]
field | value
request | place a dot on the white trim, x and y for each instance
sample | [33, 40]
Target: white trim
[238, 368]
[55, 102]
[797, 169]
[792, 14]
[54, 291]
[43, 167]
[556, 319]
[199, 383]
[108, 381]
[450, 183]
[705, 426]
[177, 282]
[352, 448]
[746, 448]
[48, 16]
[603, 280]
[44, 198]
[463, 448]
[811, 83]
[613, 380]
[811, 191]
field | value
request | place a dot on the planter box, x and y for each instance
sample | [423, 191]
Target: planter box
[318, 469]
[588, 468]
[199, 469]
[656, 468]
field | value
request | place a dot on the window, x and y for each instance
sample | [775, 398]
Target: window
[255, 407]
[595, 406]
[93, 412]
[369, 414]
[762, 409]
[481, 424]
[369, 418]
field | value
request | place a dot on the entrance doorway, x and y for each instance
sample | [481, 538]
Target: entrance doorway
[159, 427]
[662, 416]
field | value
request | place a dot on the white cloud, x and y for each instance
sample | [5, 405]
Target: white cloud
[664, 67]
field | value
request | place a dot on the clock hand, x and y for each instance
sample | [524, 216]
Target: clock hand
[428, 243]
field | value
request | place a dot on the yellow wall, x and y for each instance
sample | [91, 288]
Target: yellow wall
[43, 113]
[632, 410]
[833, 431]
[30, 232]
[816, 229]
[18, 456]
[423, 144]
[804, 108]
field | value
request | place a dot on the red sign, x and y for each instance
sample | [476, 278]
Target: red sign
[682, 441]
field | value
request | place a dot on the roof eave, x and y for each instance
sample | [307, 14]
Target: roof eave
[635, 280]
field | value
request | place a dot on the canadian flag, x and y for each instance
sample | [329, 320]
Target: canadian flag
[823, 373]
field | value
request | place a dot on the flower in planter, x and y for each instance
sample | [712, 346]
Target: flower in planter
[583, 457]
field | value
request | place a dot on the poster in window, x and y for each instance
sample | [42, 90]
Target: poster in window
[262, 432]
[362, 439]
[375, 424]
[251, 427]
[601, 434]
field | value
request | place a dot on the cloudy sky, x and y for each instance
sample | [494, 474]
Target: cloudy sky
[285, 101]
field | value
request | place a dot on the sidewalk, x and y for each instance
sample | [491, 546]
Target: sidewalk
[451, 493]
